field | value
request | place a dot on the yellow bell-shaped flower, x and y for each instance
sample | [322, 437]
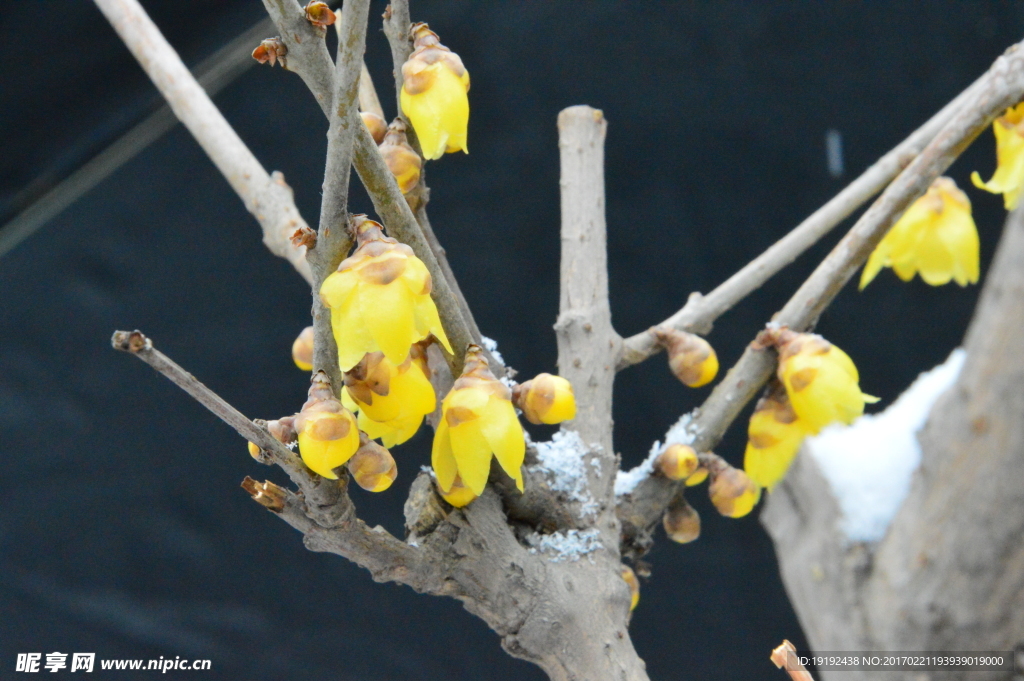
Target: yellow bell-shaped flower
[1009, 176]
[327, 432]
[434, 95]
[391, 400]
[477, 420]
[372, 466]
[380, 299]
[545, 399]
[774, 437]
[936, 237]
[732, 492]
[821, 380]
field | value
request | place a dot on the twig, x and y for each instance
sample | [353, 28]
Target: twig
[333, 238]
[397, 21]
[368, 100]
[785, 657]
[267, 197]
[700, 312]
[1001, 87]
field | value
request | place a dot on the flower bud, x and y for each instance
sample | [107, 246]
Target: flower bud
[629, 577]
[282, 430]
[377, 126]
[545, 399]
[327, 432]
[459, 495]
[681, 522]
[302, 349]
[699, 476]
[677, 462]
[270, 50]
[731, 491]
[319, 14]
[254, 451]
[403, 162]
[690, 357]
[372, 466]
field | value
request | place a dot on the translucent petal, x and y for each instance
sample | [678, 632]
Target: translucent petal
[387, 311]
[959, 234]
[1009, 175]
[504, 434]
[472, 455]
[416, 277]
[471, 399]
[768, 464]
[350, 333]
[414, 391]
[337, 287]
[428, 322]
[322, 456]
[440, 114]
[442, 458]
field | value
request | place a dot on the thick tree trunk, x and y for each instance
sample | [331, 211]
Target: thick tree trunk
[949, 574]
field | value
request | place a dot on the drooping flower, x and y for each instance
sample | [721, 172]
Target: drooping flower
[302, 349]
[477, 420]
[391, 400]
[380, 299]
[1008, 179]
[434, 95]
[774, 437]
[690, 357]
[936, 238]
[821, 380]
[545, 399]
[328, 436]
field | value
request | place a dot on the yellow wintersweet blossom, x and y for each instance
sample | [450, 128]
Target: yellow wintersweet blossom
[391, 400]
[434, 95]
[690, 357]
[372, 466]
[774, 437]
[328, 436]
[545, 399]
[732, 492]
[1009, 176]
[936, 237]
[380, 299]
[477, 420]
[821, 380]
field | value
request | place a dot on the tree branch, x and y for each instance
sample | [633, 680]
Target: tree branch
[397, 21]
[700, 312]
[266, 197]
[1001, 87]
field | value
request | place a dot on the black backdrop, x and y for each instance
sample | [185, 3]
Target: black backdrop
[122, 528]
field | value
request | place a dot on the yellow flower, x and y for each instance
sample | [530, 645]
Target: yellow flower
[677, 462]
[434, 95]
[820, 380]
[302, 349]
[629, 577]
[1009, 176]
[372, 466]
[732, 492]
[477, 419]
[403, 162]
[328, 436]
[690, 357]
[391, 400]
[935, 237]
[545, 399]
[380, 299]
[774, 437]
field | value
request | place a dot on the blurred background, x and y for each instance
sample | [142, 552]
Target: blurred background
[123, 530]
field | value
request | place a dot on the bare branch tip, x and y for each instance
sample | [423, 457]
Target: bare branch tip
[130, 341]
[267, 494]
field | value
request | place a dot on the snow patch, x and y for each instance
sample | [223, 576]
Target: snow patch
[570, 545]
[492, 347]
[561, 461]
[869, 465]
[680, 433]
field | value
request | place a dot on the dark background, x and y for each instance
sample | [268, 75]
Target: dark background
[122, 527]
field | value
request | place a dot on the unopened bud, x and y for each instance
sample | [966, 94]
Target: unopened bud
[319, 14]
[255, 451]
[282, 430]
[459, 495]
[372, 466]
[545, 399]
[699, 476]
[629, 577]
[403, 162]
[327, 432]
[731, 491]
[302, 349]
[377, 126]
[677, 462]
[681, 522]
[270, 50]
[690, 357]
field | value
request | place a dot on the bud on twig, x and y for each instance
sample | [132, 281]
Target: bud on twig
[681, 522]
[690, 357]
[545, 399]
[377, 126]
[270, 50]
[282, 430]
[403, 162]
[319, 14]
[677, 462]
[731, 491]
[302, 349]
[327, 432]
[372, 466]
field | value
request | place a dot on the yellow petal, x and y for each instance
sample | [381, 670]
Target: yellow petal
[337, 287]
[350, 333]
[442, 458]
[416, 277]
[1009, 176]
[439, 114]
[504, 434]
[472, 455]
[959, 234]
[428, 322]
[471, 400]
[324, 455]
[387, 312]
[771, 448]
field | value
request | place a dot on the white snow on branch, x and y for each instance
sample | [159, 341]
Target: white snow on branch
[570, 545]
[492, 347]
[869, 465]
[561, 461]
[679, 434]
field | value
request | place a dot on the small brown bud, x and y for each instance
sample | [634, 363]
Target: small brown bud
[304, 236]
[319, 14]
[270, 50]
[629, 577]
[377, 126]
[681, 522]
[690, 357]
[404, 163]
[731, 491]
[677, 462]
[372, 466]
